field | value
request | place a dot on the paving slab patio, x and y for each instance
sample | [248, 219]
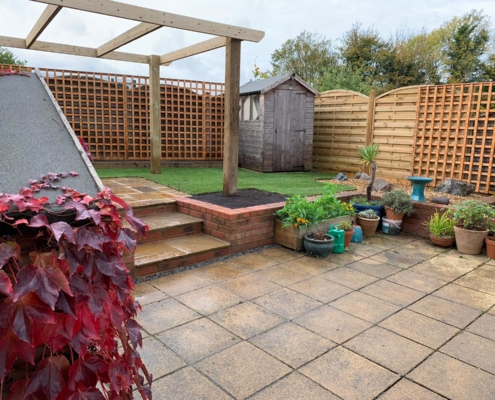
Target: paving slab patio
[394, 318]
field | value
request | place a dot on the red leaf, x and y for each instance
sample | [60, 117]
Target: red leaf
[66, 304]
[27, 309]
[46, 282]
[39, 221]
[21, 221]
[88, 237]
[81, 210]
[50, 376]
[79, 373]
[63, 228]
[105, 265]
[54, 335]
[120, 375]
[88, 394]
[73, 256]
[136, 223]
[9, 250]
[97, 295]
[10, 348]
[5, 284]
[134, 331]
[73, 173]
[127, 237]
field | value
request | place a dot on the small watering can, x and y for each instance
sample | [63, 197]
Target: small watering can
[338, 239]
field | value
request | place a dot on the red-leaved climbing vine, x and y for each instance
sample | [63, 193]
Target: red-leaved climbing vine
[67, 328]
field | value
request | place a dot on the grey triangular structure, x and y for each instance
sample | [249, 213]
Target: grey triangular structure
[36, 138]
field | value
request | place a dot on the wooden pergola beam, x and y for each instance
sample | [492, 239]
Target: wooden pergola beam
[198, 48]
[127, 37]
[141, 14]
[72, 50]
[43, 21]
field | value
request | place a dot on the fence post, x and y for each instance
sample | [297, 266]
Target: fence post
[370, 123]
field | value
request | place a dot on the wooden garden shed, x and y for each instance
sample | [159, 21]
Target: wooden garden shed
[276, 124]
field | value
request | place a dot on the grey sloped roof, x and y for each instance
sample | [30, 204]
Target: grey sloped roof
[264, 85]
[35, 140]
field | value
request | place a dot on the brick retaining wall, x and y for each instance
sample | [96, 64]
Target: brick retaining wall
[244, 228]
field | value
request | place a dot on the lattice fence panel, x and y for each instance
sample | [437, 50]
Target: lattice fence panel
[455, 134]
[15, 68]
[339, 130]
[393, 129]
[111, 113]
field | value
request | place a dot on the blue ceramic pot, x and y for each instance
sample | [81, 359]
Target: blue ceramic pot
[318, 248]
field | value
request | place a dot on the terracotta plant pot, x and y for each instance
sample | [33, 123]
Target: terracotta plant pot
[348, 237]
[469, 242]
[368, 225]
[318, 248]
[490, 247]
[442, 241]
[391, 214]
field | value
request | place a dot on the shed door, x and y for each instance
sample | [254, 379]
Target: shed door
[289, 130]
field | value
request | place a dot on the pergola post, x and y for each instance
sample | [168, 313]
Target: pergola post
[231, 126]
[155, 120]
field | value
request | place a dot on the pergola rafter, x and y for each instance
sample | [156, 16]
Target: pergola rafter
[150, 20]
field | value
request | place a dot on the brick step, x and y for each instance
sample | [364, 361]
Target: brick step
[164, 255]
[169, 225]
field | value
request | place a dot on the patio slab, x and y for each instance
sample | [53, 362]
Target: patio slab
[349, 375]
[389, 349]
[454, 379]
[243, 369]
[277, 324]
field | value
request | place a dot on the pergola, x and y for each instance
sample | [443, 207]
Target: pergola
[149, 21]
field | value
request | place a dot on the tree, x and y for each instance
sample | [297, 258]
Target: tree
[309, 56]
[413, 59]
[343, 77]
[466, 47]
[364, 50]
[7, 57]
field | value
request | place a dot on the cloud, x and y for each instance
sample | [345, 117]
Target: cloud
[281, 20]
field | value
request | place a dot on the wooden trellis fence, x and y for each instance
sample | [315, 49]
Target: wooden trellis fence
[455, 134]
[444, 131]
[346, 121]
[110, 112]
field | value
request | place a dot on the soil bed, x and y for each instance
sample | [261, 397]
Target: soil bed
[243, 198]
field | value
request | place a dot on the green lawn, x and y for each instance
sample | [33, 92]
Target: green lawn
[209, 180]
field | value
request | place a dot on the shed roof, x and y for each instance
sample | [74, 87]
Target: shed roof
[265, 85]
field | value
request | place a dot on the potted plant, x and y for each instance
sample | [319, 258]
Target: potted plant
[441, 229]
[368, 219]
[318, 244]
[300, 216]
[490, 246]
[472, 218]
[346, 226]
[397, 203]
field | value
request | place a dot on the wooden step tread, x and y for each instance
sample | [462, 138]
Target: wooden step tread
[175, 248]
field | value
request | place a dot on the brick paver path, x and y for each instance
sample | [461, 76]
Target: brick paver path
[394, 318]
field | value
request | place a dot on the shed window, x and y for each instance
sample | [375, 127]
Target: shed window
[250, 108]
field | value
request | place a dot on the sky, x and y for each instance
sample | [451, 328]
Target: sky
[280, 20]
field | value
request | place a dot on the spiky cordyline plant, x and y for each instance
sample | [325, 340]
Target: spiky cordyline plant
[368, 155]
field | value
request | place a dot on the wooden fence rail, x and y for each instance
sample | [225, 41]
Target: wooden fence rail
[110, 112]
